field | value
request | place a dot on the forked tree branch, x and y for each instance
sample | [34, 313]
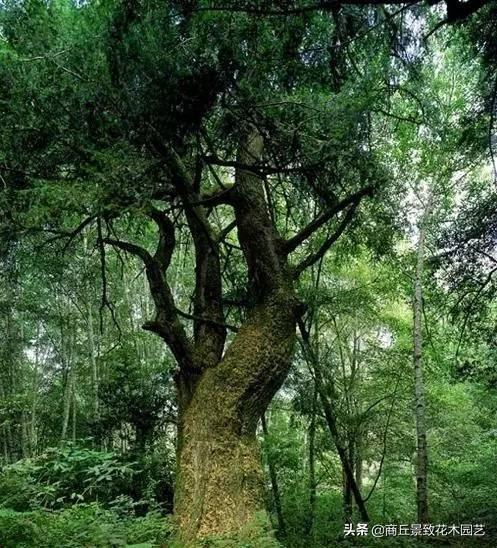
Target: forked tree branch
[208, 327]
[133, 249]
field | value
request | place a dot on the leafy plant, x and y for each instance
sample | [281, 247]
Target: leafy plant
[64, 476]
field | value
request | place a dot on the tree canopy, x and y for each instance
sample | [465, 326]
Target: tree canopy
[247, 287]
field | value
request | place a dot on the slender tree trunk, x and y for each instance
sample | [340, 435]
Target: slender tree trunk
[66, 411]
[342, 453]
[312, 463]
[419, 387]
[358, 460]
[34, 392]
[347, 498]
[74, 412]
[91, 342]
[348, 469]
[9, 384]
[356, 434]
[6, 429]
[6, 454]
[93, 361]
[347, 484]
[68, 391]
[274, 484]
[24, 435]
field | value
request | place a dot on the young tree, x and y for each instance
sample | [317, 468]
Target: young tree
[419, 385]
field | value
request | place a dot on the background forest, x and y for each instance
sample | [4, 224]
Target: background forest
[247, 289]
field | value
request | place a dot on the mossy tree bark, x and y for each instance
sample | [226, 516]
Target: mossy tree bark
[220, 485]
[223, 392]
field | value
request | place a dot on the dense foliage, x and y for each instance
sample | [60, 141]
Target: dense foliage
[225, 175]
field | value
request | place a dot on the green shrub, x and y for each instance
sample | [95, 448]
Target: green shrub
[82, 525]
[17, 529]
[64, 476]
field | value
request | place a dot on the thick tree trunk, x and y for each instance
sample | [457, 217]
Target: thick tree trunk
[220, 486]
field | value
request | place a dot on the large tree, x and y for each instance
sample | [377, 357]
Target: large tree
[248, 139]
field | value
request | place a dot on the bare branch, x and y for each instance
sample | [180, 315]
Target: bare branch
[233, 328]
[225, 231]
[69, 234]
[134, 249]
[314, 257]
[223, 196]
[291, 244]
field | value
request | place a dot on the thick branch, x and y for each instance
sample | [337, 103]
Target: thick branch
[134, 249]
[222, 196]
[233, 328]
[260, 242]
[69, 234]
[166, 323]
[457, 10]
[209, 330]
[225, 231]
[167, 240]
[324, 5]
